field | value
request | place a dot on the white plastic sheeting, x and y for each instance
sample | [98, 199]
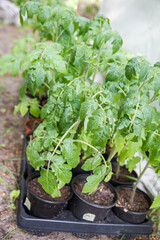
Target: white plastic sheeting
[138, 22]
[9, 12]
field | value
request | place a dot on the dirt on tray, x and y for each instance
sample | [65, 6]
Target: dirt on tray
[101, 196]
[140, 203]
[37, 189]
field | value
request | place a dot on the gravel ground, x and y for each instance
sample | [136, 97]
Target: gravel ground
[11, 147]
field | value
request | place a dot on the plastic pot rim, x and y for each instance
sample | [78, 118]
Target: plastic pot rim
[125, 183]
[93, 204]
[139, 191]
[27, 129]
[42, 199]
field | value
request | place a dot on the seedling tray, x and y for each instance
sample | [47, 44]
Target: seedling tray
[66, 222]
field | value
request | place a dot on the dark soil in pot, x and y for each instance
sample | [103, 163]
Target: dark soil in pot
[132, 212]
[102, 196]
[37, 189]
[140, 203]
[92, 207]
[122, 178]
[44, 205]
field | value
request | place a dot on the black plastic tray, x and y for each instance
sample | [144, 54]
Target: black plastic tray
[66, 222]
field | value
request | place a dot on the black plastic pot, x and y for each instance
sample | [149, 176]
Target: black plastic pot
[66, 222]
[116, 182]
[88, 211]
[106, 155]
[129, 216]
[78, 170]
[43, 208]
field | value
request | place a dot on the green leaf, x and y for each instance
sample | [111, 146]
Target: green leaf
[5, 63]
[123, 156]
[61, 169]
[70, 152]
[137, 67]
[32, 8]
[133, 147]
[51, 56]
[117, 42]
[23, 108]
[100, 136]
[92, 163]
[131, 164]
[33, 155]
[49, 76]
[48, 181]
[30, 57]
[156, 202]
[108, 177]
[13, 195]
[119, 142]
[87, 108]
[44, 14]
[123, 123]
[35, 110]
[15, 67]
[94, 180]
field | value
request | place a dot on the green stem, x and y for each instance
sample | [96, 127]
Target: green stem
[122, 91]
[154, 98]
[138, 180]
[112, 153]
[60, 35]
[117, 170]
[94, 75]
[89, 145]
[46, 85]
[61, 140]
[132, 121]
[144, 83]
[97, 94]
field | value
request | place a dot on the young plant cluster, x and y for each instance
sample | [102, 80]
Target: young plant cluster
[81, 116]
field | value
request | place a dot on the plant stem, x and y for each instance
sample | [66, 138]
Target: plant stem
[61, 140]
[143, 84]
[117, 170]
[46, 85]
[112, 153]
[89, 145]
[154, 98]
[138, 180]
[132, 120]
[94, 75]
[122, 91]
[97, 94]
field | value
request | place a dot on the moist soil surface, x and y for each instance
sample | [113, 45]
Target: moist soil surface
[123, 171]
[140, 203]
[37, 189]
[102, 196]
